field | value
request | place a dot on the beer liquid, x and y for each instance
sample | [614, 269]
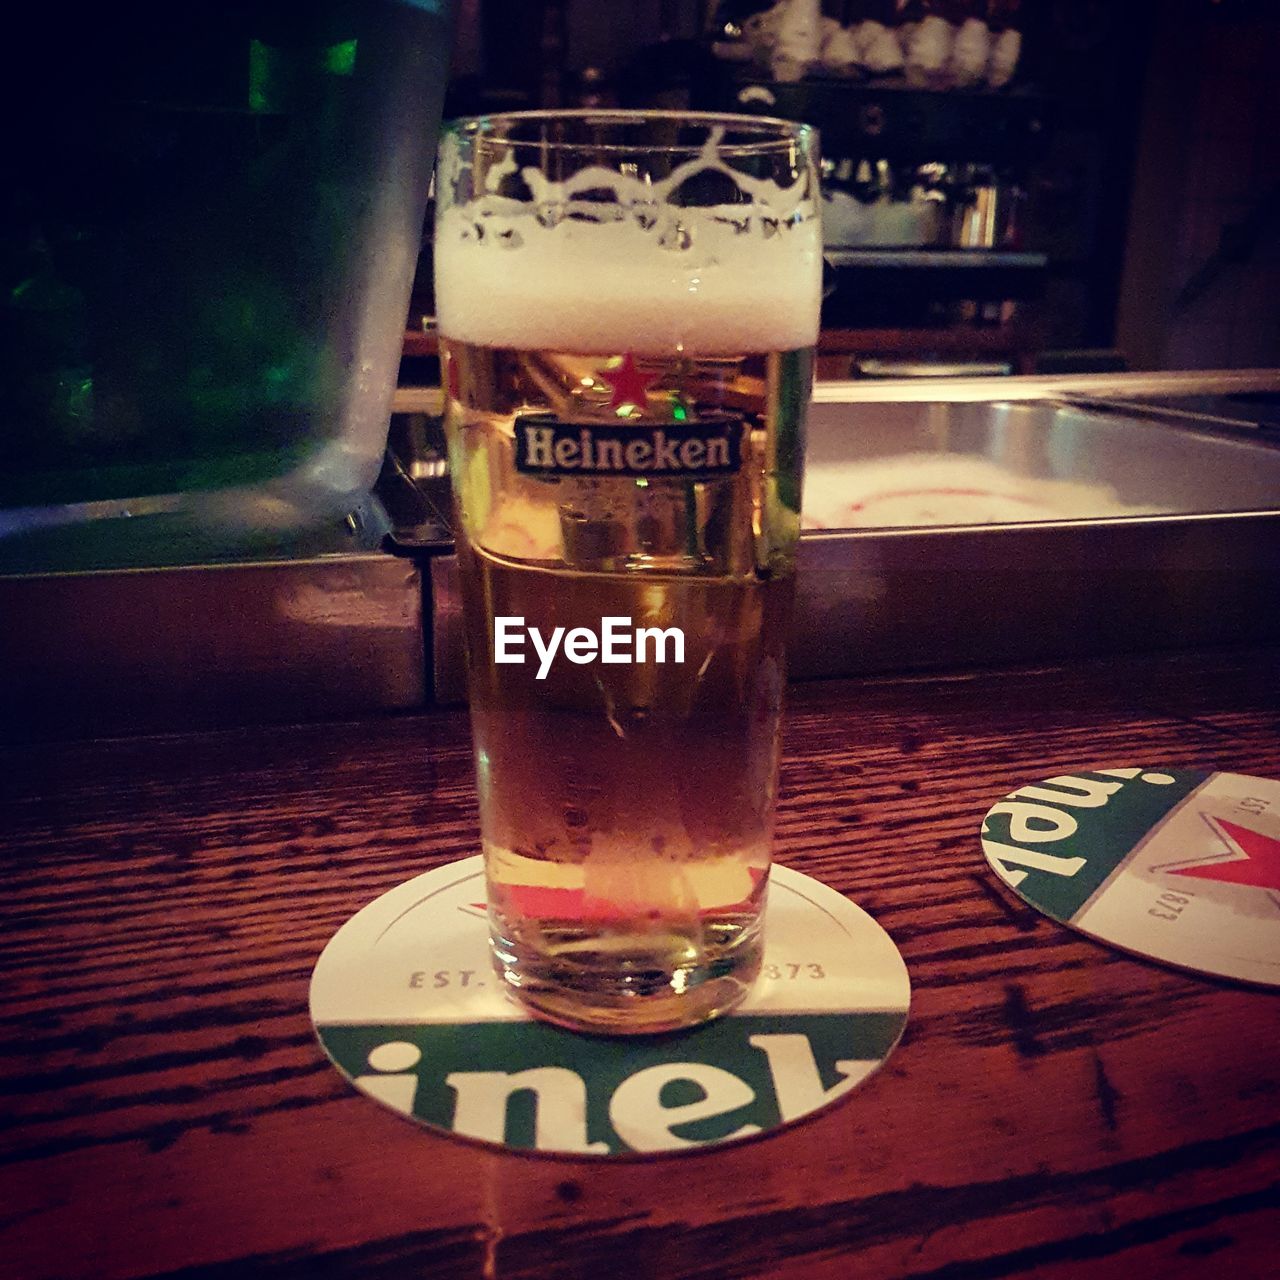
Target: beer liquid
[627, 808]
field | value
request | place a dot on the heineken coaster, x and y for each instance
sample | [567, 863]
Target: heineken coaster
[1179, 866]
[406, 1005]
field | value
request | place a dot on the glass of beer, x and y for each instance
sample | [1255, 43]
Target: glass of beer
[628, 306]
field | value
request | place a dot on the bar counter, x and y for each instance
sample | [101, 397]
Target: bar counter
[1056, 1108]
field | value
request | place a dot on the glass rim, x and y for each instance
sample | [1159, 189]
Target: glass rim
[775, 132]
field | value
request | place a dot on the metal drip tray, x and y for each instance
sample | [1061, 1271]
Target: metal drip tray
[918, 466]
[1257, 410]
[950, 533]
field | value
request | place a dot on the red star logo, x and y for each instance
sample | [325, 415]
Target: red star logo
[629, 385]
[1257, 863]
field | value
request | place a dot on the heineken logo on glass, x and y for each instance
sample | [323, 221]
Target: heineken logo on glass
[1180, 866]
[406, 1005]
[707, 448]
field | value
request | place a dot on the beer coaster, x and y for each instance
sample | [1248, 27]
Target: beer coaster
[1179, 866]
[405, 1004]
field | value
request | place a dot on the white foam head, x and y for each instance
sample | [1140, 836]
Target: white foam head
[643, 275]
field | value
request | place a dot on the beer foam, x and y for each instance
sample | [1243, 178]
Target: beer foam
[602, 263]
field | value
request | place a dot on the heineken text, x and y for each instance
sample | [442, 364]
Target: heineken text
[688, 451]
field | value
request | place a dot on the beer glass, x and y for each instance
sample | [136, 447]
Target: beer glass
[628, 305]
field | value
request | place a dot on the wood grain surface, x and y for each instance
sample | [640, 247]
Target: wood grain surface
[1056, 1109]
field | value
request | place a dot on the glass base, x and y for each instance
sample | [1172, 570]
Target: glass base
[629, 986]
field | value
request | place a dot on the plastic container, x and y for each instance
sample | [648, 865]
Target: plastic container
[206, 260]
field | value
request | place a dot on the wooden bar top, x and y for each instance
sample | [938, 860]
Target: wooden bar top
[1055, 1109]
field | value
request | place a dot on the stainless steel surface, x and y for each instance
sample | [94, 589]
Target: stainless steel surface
[168, 649]
[1258, 410]
[1195, 561]
[1120, 387]
[1101, 464]
[877, 368]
